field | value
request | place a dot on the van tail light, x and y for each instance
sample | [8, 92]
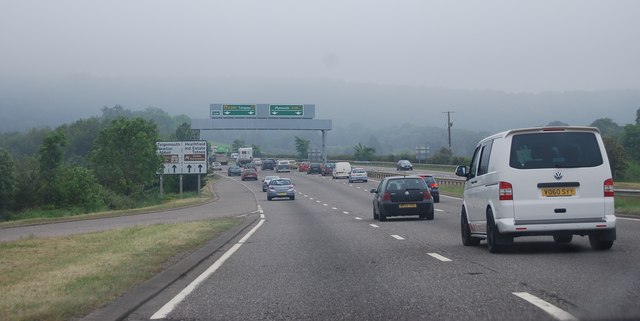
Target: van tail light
[386, 196]
[505, 191]
[608, 188]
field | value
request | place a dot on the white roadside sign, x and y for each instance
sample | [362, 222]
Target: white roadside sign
[188, 157]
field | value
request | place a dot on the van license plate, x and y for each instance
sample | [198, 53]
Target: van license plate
[558, 192]
[407, 206]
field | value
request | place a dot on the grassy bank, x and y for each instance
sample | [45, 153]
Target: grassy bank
[68, 277]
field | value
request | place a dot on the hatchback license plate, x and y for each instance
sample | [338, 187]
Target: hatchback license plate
[407, 205]
[558, 192]
[282, 194]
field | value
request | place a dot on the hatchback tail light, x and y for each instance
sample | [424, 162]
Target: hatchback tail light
[426, 195]
[435, 185]
[608, 188]
[386, 196]
[505, 191]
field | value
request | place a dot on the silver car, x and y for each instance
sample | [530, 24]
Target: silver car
[281, 187]
[358, 175]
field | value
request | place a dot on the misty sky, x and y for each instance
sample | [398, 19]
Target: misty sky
[512, 45]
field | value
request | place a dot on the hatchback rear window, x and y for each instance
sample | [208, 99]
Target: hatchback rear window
[555, 150]
[405, 184]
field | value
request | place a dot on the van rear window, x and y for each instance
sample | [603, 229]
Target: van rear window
[555, 150]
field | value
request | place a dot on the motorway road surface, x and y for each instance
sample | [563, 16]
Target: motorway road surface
[323, 257]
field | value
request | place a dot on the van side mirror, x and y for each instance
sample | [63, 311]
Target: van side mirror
[462, 171]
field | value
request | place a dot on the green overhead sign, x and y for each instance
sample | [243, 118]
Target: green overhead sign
[286, 110]
[238, 110]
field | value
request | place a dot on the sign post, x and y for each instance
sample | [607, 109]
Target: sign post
[239, 110]
[185, 157]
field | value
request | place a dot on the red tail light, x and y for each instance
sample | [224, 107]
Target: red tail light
[426, 195]
[435, 185]
[505, 191]
[386, 196]
[608, 188]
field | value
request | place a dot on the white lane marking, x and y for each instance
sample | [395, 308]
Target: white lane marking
[553, 310]
[373, 225]
[439, 257]
[325, 204]
[397, 237]
[438, 210]
[358, 218]
[345, 212]
[334, 208]
[305, 195]
[317, 201]
[311, 198]
[167, 308]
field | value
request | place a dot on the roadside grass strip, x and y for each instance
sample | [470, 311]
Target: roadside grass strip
[65, 278]
[551, 309]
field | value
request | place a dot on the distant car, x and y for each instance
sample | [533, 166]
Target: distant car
[314, 168]
[327, 169]
[249, 173]
[216, 166]
[358, 175]
[402, 195]
[250, 165]
[404, 165]
[244, 162]
[257, 161]
[266, 181]
[281, 187]
[293, 164]
[234, 171]
[433, 186]
[283, 166]
[304, 166]
[268, 164]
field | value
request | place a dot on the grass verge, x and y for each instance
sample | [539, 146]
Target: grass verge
[64, 278]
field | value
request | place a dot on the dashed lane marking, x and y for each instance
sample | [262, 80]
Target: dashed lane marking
[551, 309]
[439, 257]
[397, 237]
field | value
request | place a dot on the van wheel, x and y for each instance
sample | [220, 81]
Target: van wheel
[598, 244]
[495, 241]
[562, 238]
[467, 239]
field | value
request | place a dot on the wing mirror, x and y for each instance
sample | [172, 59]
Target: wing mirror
[462, 171]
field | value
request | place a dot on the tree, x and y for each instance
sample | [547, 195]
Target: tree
[302, 146]
[607, 127]
[7, 181]
[618, 159]
[638, 116]
[237, 143]
[363, 153]
[124, 156]
[50, 160]
[557, 123]
[185, 133]
[631, 141]
[256, 150]
[444, 156]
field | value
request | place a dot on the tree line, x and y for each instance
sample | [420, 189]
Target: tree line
[100, 163]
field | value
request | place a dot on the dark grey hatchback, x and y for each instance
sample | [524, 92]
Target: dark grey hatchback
[401, 196]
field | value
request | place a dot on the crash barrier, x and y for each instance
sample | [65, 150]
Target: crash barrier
[460, 183]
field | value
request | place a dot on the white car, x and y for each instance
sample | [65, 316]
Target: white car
[267, 180]
[358, 175]
[216, 166]
[257, 161]
[283, 166]
[539, 181]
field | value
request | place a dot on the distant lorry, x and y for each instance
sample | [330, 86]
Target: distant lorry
[221, 153]
[245, 153]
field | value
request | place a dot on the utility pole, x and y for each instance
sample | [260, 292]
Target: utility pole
[449, 125]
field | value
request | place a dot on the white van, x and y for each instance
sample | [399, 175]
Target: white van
[539, 181]
[342, 170]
